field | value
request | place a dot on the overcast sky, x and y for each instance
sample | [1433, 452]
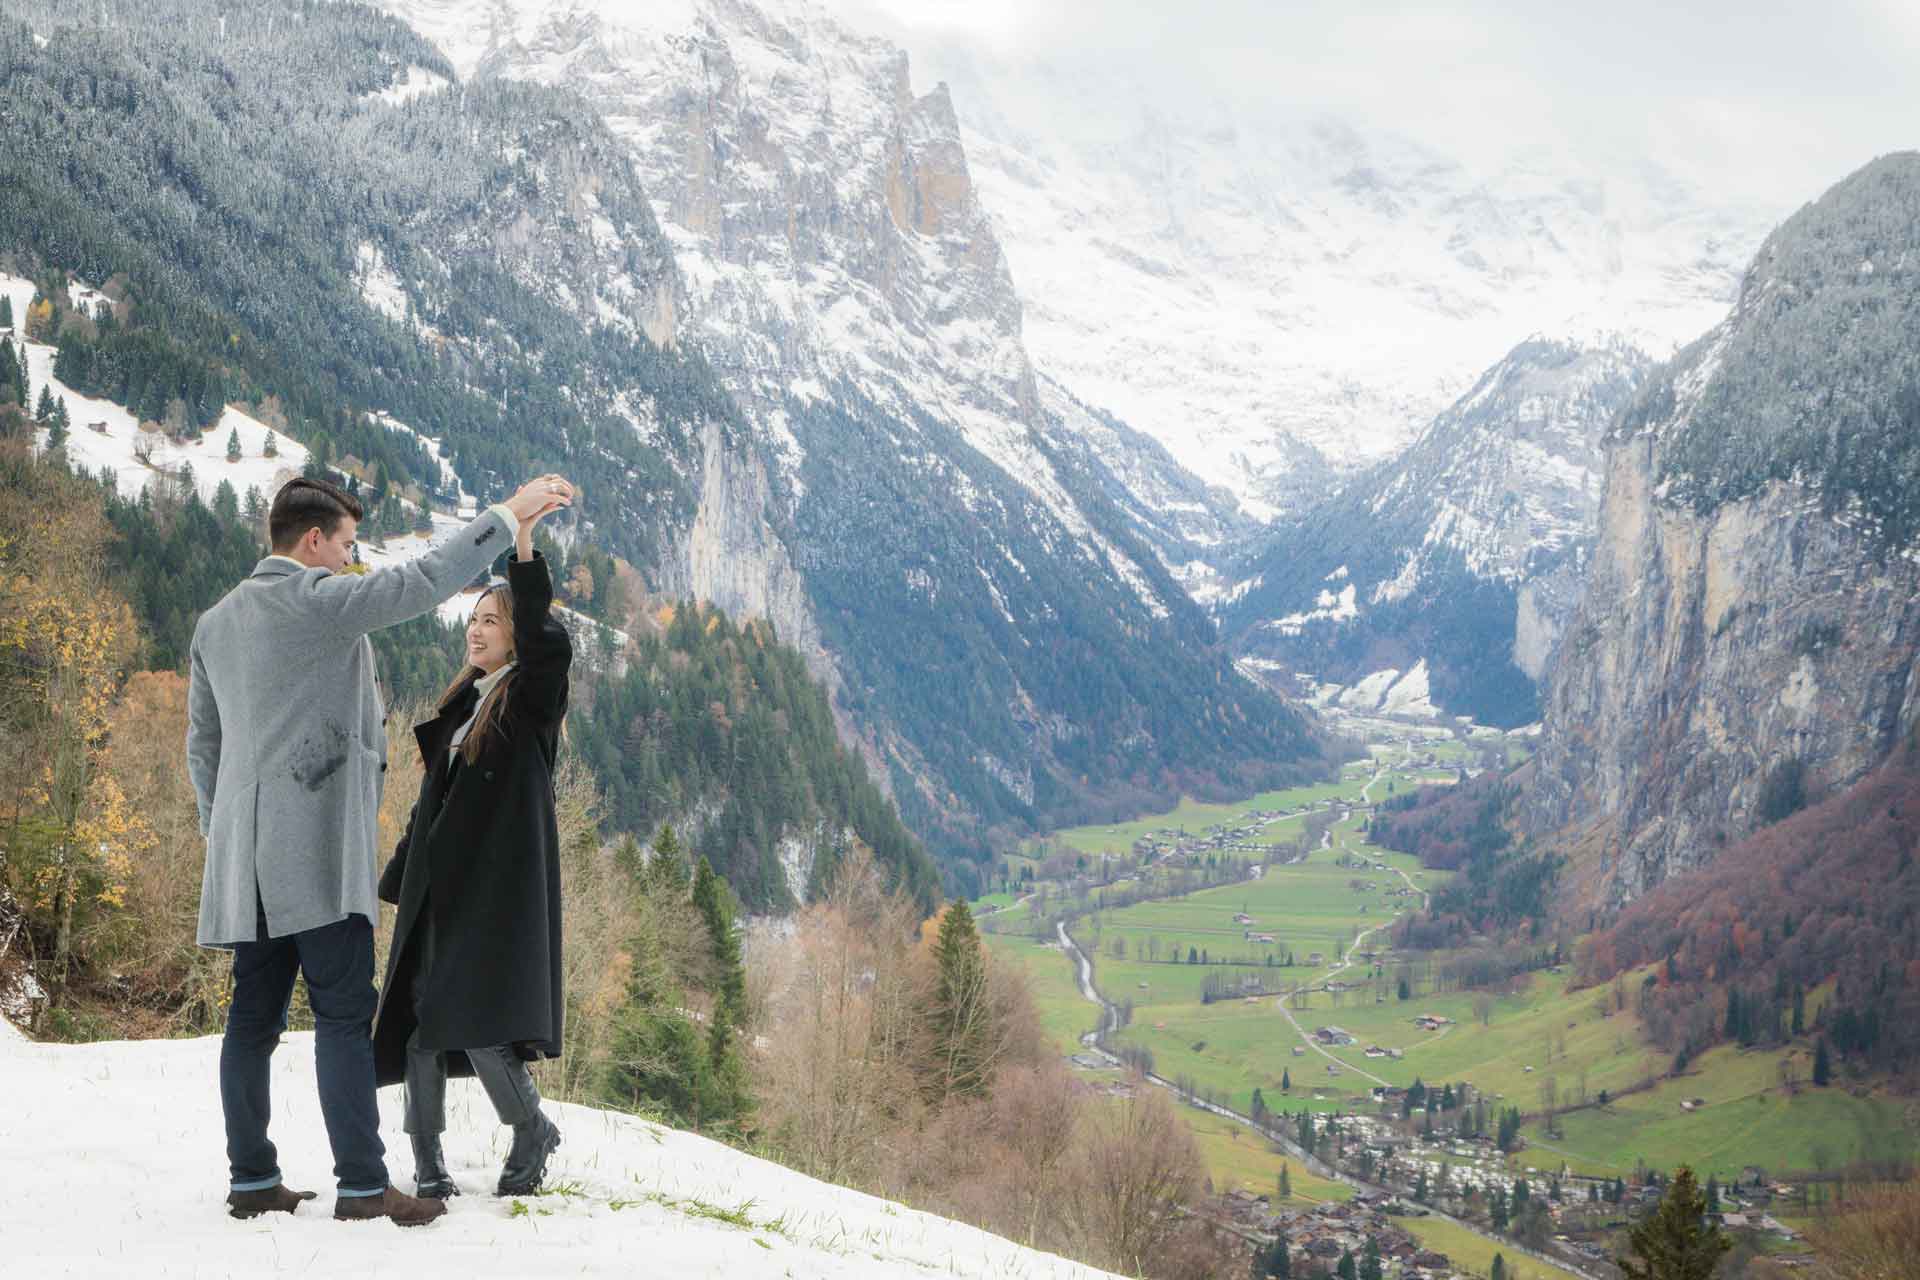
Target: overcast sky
[1771, 101]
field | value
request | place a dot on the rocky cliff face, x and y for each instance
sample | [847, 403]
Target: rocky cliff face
[909, 507]
[1748, 637]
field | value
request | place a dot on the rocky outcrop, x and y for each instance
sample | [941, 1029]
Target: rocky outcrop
[1746, 642]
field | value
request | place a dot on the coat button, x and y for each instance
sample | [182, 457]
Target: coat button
[489, 775]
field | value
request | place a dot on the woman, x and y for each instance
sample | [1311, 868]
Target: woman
[473, 983]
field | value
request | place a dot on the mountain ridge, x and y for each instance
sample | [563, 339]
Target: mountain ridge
[1748, 639]
[1463, 552]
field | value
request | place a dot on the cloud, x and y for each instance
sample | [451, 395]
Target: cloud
[1769, 101]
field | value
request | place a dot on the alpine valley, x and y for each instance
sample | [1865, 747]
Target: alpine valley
[1039, 517]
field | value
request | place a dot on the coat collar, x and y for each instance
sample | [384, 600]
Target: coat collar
[277, 566]
[432, 734]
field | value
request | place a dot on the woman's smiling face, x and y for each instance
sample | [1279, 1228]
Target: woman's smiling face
[489, 635]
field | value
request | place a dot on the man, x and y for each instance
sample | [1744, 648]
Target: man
[286, 749]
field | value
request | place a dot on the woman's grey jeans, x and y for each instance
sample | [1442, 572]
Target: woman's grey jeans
[502, 1074]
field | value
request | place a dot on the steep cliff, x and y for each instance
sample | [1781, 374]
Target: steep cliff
[1748, 636]
[969, 577]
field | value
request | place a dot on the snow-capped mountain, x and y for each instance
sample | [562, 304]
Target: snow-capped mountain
[920, 493]
[1464, 552]
[1271, 295]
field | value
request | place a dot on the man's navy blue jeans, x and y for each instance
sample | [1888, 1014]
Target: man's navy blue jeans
[337, 960]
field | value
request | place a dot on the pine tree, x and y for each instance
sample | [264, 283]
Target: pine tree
[1286, 1181]
[1258, 1110]
[1348, 1268]
[226, 504]
[1273, 1261]
[57, 424]
[1675, 1243]
[233, 446]
[256, 506]
[1371, 1267]
[728, 1073]
[960, 1016]
[423, 519]
[1713, 1194]
[43, 408]
[1497, 1212]
[666, 873]
[1286, 1081]
[1799, 1011]
[1499, 1269]
[270, 449]
[1822, 1067]
[10, 385]
[6, 312]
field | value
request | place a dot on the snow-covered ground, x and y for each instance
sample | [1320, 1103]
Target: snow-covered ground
[119, 445]
[115, 1166]
[105, 434]
[1388, 692]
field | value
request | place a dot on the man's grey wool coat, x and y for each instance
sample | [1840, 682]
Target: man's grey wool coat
[286, 742]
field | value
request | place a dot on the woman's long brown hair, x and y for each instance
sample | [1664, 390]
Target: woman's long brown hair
[492, 712]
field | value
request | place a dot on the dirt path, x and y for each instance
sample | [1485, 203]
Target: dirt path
[1314, 1045]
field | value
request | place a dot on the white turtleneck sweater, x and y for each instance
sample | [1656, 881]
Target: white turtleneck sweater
[483, 686]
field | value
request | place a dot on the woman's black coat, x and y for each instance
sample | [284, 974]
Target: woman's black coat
[483, 856]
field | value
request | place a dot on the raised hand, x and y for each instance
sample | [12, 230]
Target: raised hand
[540, 496]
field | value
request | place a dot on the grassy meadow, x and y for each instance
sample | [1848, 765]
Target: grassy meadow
[1538, 1036]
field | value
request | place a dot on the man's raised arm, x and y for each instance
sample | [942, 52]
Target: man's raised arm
[358, 603]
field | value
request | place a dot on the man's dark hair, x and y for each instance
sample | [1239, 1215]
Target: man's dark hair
[303, 504]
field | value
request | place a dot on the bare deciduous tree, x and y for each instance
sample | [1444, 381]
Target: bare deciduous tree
[1139, 1166]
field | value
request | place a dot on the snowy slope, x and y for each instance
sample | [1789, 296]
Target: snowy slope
[115, 446]
[1463, 552]
[1252, 286]
[821, 214]
[115, 449]
[114, 1167]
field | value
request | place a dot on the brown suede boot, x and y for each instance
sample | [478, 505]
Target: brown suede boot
[251, 1204]
[405, 1210]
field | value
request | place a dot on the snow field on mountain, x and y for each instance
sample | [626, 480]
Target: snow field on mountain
[116, 1167]
[1224, 277]
[1388, 692]
[115, 447]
